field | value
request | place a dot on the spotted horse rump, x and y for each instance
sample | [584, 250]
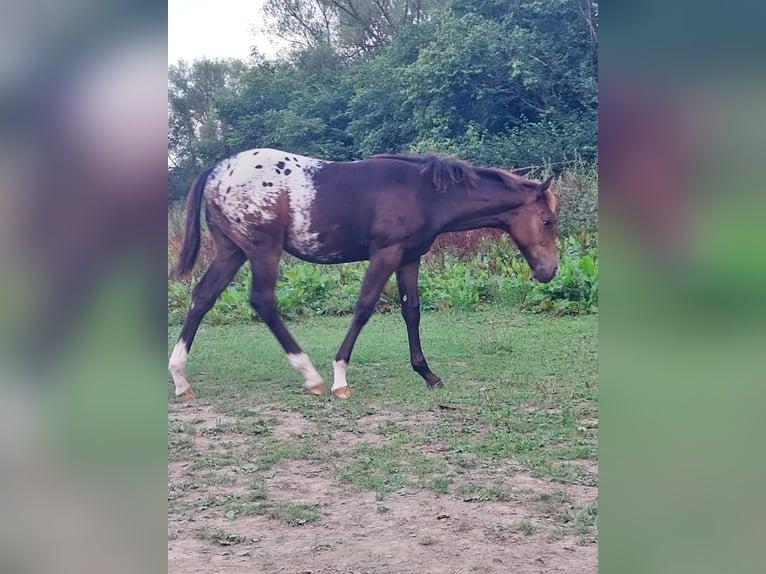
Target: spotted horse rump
[387, 209]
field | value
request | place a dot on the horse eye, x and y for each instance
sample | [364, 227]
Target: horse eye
[548, 222]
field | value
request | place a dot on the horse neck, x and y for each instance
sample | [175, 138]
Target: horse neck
[478, 208]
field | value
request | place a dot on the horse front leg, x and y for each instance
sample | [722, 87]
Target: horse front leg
[407, 281]
[382, 264]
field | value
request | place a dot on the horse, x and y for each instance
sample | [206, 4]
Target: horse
[387, 209]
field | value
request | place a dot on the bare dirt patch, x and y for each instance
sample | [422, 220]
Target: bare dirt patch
[290, 424]
[406, 532]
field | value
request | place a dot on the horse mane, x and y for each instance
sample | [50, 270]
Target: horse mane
[446, 172]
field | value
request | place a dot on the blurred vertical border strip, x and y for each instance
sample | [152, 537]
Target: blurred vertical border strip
[681, 145]
[83, 190]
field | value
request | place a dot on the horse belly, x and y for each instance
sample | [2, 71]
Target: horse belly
[324, 249]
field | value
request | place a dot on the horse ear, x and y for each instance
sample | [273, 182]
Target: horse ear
[546, 193]
[546, 184]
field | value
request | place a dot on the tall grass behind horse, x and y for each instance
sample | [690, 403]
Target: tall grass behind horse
[387, 209]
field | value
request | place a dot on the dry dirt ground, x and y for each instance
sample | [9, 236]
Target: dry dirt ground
[339, 528]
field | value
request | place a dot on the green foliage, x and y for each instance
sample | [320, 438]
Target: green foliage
[574, 290]
[196, 135]
[495, 274]
[508, 83]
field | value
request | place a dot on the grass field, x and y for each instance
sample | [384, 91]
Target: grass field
[495, 472]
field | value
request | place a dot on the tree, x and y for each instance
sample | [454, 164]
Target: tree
[497, 82]
[196, 135]
[352, 27]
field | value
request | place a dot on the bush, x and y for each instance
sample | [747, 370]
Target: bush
[574, 290]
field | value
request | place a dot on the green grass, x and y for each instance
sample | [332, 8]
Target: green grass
[519, 390]
[289, 513]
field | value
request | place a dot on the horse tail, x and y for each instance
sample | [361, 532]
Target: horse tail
[192, 234]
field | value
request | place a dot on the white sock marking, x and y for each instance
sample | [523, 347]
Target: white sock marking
[177, 367]
[339, 371]
[302, 363]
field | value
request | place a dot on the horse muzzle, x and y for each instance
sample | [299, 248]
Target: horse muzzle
[545, 273]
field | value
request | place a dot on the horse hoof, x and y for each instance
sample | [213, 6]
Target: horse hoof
[437, 384]
[188, 393]
[317, 389]
[342, 392]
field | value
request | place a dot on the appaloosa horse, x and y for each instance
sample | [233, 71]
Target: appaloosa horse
[388, 209]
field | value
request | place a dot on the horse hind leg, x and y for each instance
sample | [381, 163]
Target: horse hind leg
[213, 282]
[265, 263]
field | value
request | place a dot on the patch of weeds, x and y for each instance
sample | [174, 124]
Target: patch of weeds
[323, 547]
[254, 427]
[219, 535]
[565, 473]
[220, 427]
[555, 498]
[528, 527]
[211, 478]
[289, 513]
[181, 428]
[257, 490]
[557, 533]
[462, 460]
[425, 468]
[584, 451]
[440, 484]
[467, 491]
[209, 501]
[495, 530]
[267, 452]
[240, 507]
[295, 513]
[376, 468]
[239, 411]
[390, 428]
[497, 491]
[556, 505]
[586, 519]
[427, 540]
[216, 460]
[180, 448]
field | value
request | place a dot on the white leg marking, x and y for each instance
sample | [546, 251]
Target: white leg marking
[302, 363]
[177, 367]
[339, 370]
